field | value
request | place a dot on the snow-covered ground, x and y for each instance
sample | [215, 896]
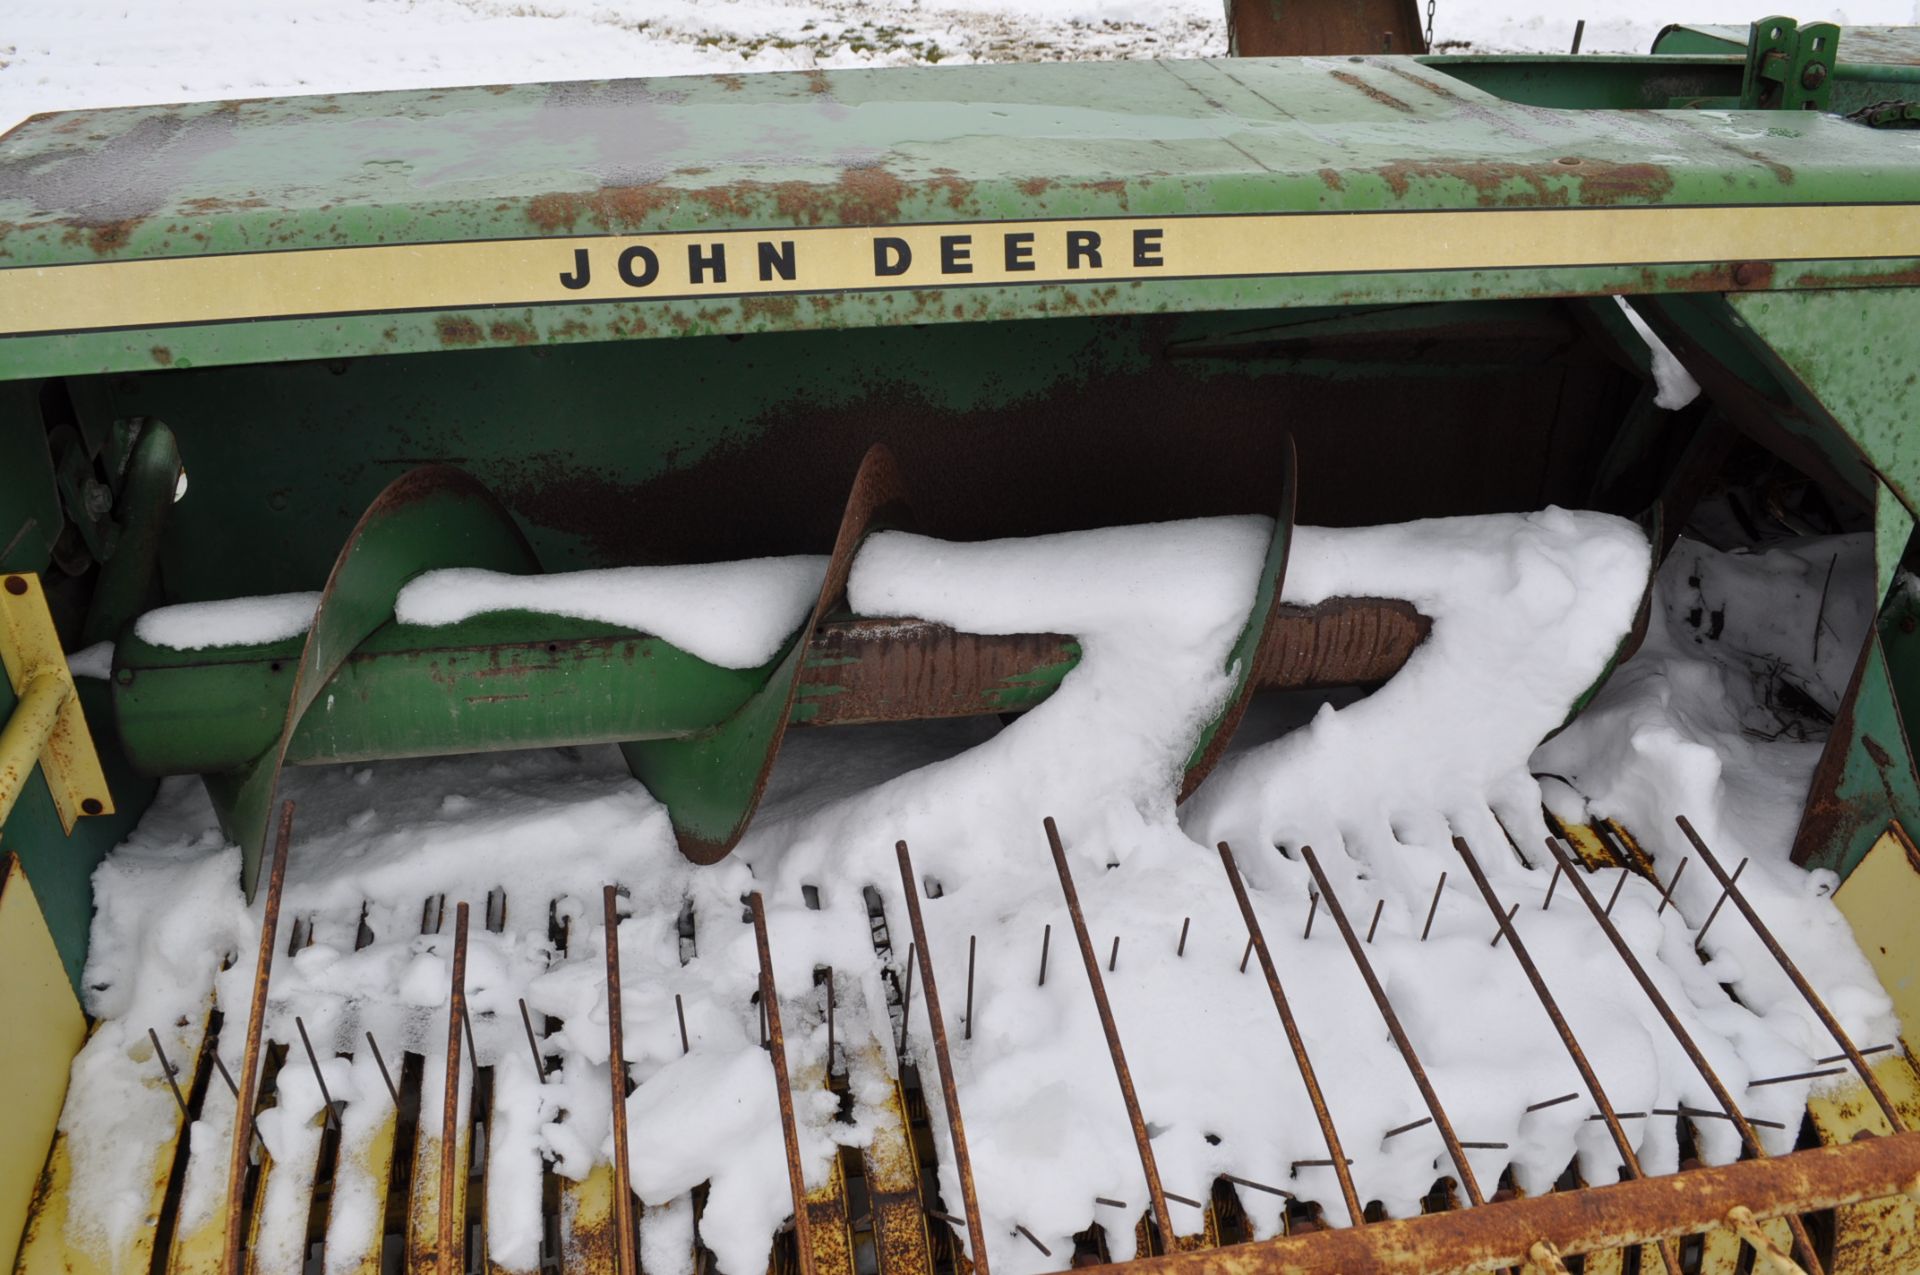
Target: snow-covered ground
[118, 52]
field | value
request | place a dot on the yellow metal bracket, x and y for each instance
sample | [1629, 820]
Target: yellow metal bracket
[47, 725]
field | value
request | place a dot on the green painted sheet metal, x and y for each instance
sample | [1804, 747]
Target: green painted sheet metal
[1865, 381]
[867, 148]
[500, 681]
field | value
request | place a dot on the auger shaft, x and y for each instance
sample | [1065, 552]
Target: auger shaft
[526, 681]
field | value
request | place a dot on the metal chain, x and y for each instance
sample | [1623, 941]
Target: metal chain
[1430, 5]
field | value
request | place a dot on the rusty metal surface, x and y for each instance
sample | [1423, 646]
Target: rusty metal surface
[1281, 28]
[250, 1058]
[1799, 980]
[949, 1092]
[1808, 1256]
[451, 1247]
[1156, 1197]
[1584, 1221]
[617, 1080]
[1588, 1077]
[1294, 1039]
[777, 1044]
[1399, 1034]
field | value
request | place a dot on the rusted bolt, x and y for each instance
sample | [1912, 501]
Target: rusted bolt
[91, 806]
[16, 585]
[1814, 76]
[1753, 274]
[1569, 160]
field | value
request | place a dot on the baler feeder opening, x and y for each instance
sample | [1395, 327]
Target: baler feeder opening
[1372, 688]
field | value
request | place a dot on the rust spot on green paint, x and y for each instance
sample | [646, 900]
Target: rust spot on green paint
[1507, 185]
[458, 330]
[162, 355]
[731, 83]
[1381, 96]
[817, 82]
[514, 331]
[779, 309]
[1332, 180]
[870, 196]
[1033, 187]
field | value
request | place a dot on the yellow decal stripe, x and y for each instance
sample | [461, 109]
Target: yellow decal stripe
[452, 276]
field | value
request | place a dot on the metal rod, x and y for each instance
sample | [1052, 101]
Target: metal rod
[1378, 907]
[224, 1073]
[1553, 1102]
[967, 1022]
[1246, 954]
[250, 1058]
[1666, 896]
[831, 1007]
[1181, 1199]
[1779, 954]
[1618, 886]
[1798, 1075]
[1113, 957]
[1552, 1007]
[1294, 1040]
[1870, 1049]
[473, 1050]
[1433, 907]
[950, 1095]
[167, 1067]
[378, 1061]
[1313, 910]
[1719, 903]
[1408, 1127]
[906, 1002]
[1721, 1094]
[1579, 29]
[539, 1061]
[1185, 921]
[783, 1087]
[1032, 1239]
[1046, 941]
[1156, 1198]
[1553, 885]
[680, 1012]
[1501, 932]
[1112, 1204]
[1400, 1039]
[453, 1229]
[1258, 1186]
[313, 1060]
[625, 1263]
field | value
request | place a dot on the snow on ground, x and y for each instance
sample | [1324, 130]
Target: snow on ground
[111, 53]
[1527, 610]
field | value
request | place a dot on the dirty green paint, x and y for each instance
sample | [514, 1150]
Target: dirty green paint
[1868, 381]
[1892, 532]
[1866, 776]
[968, 144]
[501, 681]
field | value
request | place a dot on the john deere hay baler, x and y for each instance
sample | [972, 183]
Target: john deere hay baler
[261, 348]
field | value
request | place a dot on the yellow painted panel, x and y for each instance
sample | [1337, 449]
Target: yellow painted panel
[893, 1192]
[30, 650]
[1880, 1235]
[1880, 899]
[36, 997]
[435, 276]
[586, 1223]
[374, 1160]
